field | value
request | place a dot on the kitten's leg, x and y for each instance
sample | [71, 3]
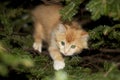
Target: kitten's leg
[57, 58]
[38, 35]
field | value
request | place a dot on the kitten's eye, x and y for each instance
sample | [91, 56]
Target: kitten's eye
[73, 46]
[63, 43]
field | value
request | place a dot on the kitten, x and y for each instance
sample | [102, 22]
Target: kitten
[66, 39]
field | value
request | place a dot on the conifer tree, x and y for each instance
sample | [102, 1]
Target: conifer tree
[17, 58]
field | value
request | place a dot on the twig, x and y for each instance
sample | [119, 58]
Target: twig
[110, 50]
[106, 50]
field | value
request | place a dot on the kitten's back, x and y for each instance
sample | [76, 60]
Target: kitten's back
[46, 18]
[47, 15]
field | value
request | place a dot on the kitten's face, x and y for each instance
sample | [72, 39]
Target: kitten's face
[70, 40]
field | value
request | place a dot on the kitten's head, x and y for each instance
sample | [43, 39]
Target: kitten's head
[71, 39]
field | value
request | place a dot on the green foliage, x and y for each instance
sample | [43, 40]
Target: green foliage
[13, 21]
[13, 42]
[70, 9]
[79, 73]
[61, 75]
[104, 35]
[16, 40]
[9, 61]
[99, 8]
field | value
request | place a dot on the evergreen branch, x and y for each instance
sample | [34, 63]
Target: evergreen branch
[70, 9]
[111, 68]
[103, 50]
[110, 50]
[107, 30]
[100, 8]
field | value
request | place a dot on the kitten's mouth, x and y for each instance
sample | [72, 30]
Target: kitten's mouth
[66, 54]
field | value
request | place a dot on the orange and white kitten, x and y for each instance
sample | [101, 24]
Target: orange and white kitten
[62, 38]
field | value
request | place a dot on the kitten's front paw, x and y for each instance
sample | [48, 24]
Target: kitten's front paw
[58, 65]
[37, 46]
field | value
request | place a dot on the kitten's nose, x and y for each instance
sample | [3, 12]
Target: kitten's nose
[65, 53]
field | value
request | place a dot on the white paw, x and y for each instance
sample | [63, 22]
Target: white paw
[37, 46]
[58, 65]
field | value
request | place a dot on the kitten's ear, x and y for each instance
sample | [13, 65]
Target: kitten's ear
[84, 38]
[85, 35]
[61, 28]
